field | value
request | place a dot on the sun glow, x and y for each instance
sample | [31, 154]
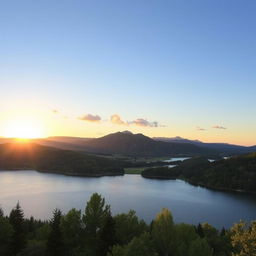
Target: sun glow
[23, 129]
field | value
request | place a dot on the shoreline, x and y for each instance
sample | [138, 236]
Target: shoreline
[109, 174]
[95, 175]
[238, 191]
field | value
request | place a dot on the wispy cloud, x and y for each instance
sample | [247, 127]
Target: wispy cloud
[200, 128]
[219, 127]
[144, 122]
[55, 111]
[90, 118]
[116, 119]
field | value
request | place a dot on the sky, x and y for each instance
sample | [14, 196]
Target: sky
[161, 68]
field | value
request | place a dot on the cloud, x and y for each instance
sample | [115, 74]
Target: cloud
[116, 119]
[200, 128]
[55, 111]
[90, 118]
[219, 127]
[145, 123]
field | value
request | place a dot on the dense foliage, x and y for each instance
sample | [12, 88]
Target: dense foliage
[95, 232]
[47, 159]
[236, 173]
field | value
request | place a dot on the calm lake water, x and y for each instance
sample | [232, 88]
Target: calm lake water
[40, 193]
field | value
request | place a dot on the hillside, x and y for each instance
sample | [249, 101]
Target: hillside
[14, 156]
[126, 143]
[235, 174]
[221, 148]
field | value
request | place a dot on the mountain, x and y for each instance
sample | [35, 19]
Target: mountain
[15, 156]
[176, 139]
[221, 148]
[127, 143]
[237, 173]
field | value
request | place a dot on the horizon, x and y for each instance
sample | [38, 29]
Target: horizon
[154, 138]
[87, 69]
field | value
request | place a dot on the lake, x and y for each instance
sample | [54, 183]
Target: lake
[40, 193]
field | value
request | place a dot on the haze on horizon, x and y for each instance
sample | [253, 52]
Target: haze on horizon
[161, 68]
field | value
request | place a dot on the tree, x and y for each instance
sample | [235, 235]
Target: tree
[1, 212]
[163, 232]
[219, 244]
[94, 219]
[34, 248]
[6, 234]
[185, 234]
[200, 230]
[71, 227]
[243, 239]
[17, 221]
[199, 247]
[139, 246]
[107, 236]
[128, 226]
[55, 245]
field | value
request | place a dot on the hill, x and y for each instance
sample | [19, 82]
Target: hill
[235, 174]
[126, 143]
[14, 156]
[221, 148]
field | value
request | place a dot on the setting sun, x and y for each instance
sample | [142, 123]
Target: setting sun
[23, 129]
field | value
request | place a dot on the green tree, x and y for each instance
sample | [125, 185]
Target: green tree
[220, 244]
[199, 247]
[200, 230]
[6, 234]
[34, 248]
[94, 219]
[71, 226]
[185, 234]
[107, 236]
[43, 232]
[1, 212]
[139, 246]
[117, 250]
[128, 226]
[55, 246]
[17, 221]
[163, 232]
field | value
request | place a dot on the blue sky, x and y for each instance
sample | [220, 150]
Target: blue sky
[183, 64]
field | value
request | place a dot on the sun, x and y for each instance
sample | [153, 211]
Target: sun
[23, 129]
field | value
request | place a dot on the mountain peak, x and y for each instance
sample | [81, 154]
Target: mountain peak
[127, 132]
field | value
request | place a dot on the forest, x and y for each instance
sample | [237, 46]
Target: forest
[23, 156]
[95, 232]
[237, 173]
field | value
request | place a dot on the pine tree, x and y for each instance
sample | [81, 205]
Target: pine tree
[55, 245]
[17, 221]
[95, 217]
[1, 212]
[107, 236]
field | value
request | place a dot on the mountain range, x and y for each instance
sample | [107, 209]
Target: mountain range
[222, 148]
[127, 143]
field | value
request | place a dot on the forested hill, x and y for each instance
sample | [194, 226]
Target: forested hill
[126, 143]
[236, 173]
[14, 156]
